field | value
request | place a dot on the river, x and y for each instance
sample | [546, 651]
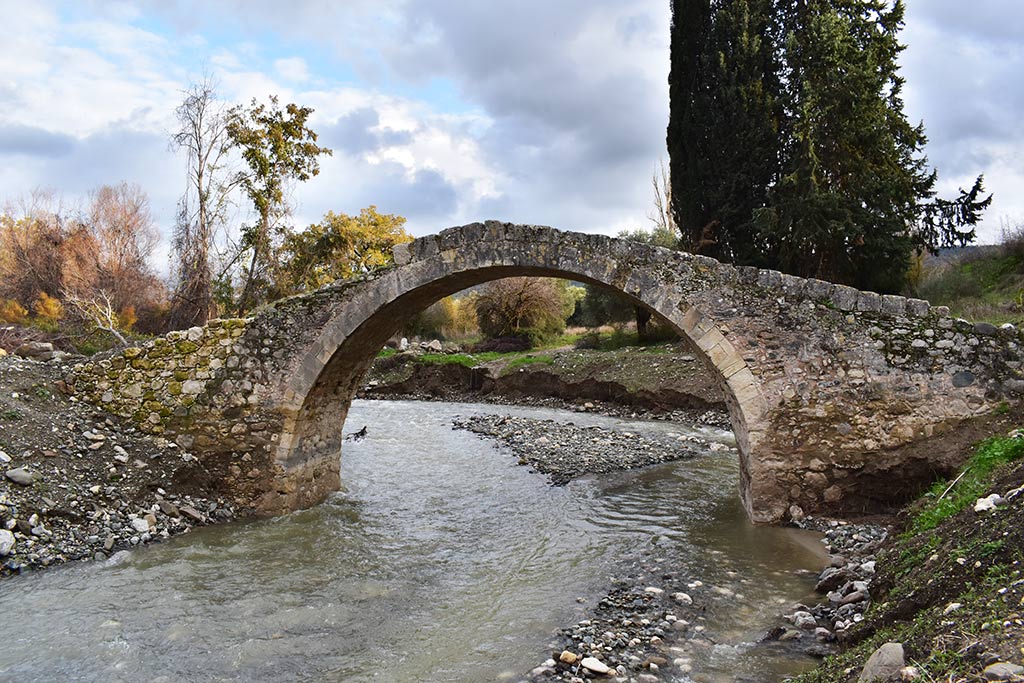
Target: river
[442, 561]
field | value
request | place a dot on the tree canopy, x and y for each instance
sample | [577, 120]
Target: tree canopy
[789, 147]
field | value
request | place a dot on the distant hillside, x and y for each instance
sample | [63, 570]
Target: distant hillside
[983, 282]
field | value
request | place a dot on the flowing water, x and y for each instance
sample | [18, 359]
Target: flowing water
[443, 560]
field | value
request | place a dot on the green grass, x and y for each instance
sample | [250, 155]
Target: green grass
[972, 484]
[386, 352]
[530, 360]
[468, 359]
[988, 288]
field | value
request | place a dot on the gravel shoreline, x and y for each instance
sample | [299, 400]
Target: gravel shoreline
[649, 621]
[565, 451]
[77, 483]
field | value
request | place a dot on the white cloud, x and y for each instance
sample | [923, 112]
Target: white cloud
[293, 69]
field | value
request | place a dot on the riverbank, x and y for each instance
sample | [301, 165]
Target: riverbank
[77, 483]
[665, 381]
[947, 601]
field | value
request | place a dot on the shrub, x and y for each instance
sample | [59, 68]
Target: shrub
[11, 311]
[518, 306]
[48, 308]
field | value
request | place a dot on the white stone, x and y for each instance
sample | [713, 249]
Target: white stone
[192, 386]
[140, 525]
[653, 590]
[595, 665]
[987, 503]
[6, 542]
[682, 598]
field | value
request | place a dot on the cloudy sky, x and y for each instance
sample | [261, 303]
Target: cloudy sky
[445, 111]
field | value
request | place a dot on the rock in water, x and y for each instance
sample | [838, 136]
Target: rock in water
[884, 664]
[19, 475]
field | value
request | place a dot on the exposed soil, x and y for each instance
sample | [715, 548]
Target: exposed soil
[886, 489]
[652, 382]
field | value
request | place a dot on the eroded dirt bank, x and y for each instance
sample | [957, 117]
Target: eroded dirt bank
[654, 381]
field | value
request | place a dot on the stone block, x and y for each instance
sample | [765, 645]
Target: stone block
[769, 279]
[845, 298]
[401, 254]
[818, 290]
[917, 308]
[869, 302]
[894, 305]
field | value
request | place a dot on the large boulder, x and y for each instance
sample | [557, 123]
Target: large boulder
[35, 350]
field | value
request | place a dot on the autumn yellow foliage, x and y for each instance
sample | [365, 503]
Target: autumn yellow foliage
[11, 311]
[48, 307]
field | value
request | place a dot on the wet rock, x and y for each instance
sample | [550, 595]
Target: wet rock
[884, 664]
[832, 578]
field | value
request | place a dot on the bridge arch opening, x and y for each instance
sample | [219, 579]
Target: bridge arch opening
[320, 393]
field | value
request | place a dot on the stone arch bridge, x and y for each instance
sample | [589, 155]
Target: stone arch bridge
[835, 394]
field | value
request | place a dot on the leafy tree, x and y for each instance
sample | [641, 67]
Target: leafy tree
[277, 147]
[602, 306]
[725, 122]
[857, 198]
[124, 239]
[202, 135]
[32, 248]
[337, 248]
[453, 317]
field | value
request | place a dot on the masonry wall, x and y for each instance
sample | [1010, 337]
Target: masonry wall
[827, 385]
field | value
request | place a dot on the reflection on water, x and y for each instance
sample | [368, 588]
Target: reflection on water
[441, 561]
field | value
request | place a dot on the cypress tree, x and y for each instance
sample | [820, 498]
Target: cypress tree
[725, 122]
[795, 146]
